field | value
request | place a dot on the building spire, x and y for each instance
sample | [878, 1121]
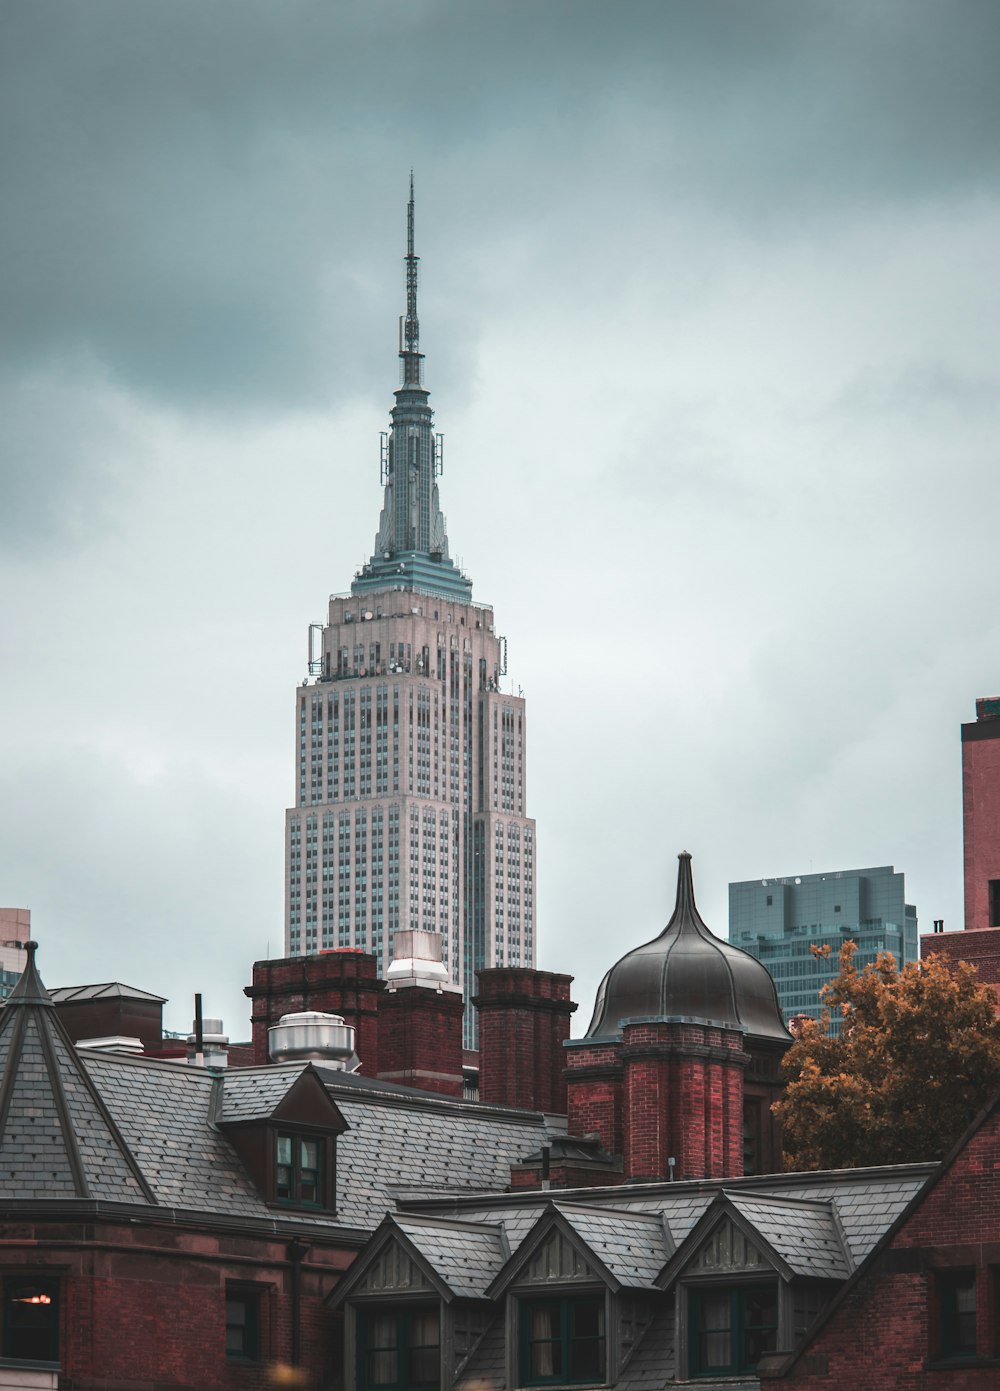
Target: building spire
[409, 327]
[411, 544]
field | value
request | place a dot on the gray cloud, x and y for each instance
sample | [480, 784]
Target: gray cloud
[206, 195]
[710, 322]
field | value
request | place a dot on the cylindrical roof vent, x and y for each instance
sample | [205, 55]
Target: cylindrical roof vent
[312, 1036]
[214, 1042]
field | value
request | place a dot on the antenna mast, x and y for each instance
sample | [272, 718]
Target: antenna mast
[409, 327]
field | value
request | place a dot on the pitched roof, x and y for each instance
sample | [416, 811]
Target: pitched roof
[803, 1232]
[57, 1138]
[632, 1247]
[466, 1256]
[855, 1206]
[109, 990]
[426, 1144]
[253, 1093]
[885, 1240]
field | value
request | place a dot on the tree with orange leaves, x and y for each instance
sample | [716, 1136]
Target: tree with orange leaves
[918, 1054]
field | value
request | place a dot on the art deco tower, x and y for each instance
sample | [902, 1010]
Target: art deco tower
[410, 760]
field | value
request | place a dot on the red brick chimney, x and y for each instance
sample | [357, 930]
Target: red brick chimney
[420, 1018]
[341, 982]
[523, 1023]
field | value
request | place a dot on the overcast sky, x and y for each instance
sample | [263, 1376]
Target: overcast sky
[709, 299]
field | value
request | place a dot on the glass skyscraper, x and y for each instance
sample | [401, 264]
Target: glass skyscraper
[779, 921]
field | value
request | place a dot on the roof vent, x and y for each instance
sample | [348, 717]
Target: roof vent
[111, 1043]
[417, 959]
[313, 1036]
[214, 1043]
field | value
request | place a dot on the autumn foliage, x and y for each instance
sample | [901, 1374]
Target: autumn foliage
[917, 1056]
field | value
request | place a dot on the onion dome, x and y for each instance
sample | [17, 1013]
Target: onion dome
[689, 973]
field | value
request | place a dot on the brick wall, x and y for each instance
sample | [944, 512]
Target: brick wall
[883, 1335]
[524, 1019]
[683, 1099]
[336, 982]
[980, 816]
[594, 1092]
[979, 946]
[144, 1304]
[420, 1038]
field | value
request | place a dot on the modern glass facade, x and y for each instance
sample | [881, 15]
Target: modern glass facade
[780, 920]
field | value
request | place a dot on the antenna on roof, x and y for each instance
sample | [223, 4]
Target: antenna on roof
[199, 1034]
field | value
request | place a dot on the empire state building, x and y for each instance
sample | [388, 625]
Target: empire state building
[410, 759]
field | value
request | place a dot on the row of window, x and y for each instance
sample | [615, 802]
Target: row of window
[30, 1331]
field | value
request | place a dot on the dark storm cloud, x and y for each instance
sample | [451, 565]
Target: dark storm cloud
[187, 182]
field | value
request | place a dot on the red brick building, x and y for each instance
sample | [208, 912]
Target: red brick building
[979, 943]
[170, 1226]
[922, 1310]
[981, 815]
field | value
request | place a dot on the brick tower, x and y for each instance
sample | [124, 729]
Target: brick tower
[680, 1063]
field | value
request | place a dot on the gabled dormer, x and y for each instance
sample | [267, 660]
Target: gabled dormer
[415, 1302]
[750, 1278]
[579, 1294]
[284, 1125]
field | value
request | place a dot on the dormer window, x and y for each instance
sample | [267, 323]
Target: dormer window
[299, 1170]
[732, 1328]
[399, 1349]
[286, 1139]
[562, 1340]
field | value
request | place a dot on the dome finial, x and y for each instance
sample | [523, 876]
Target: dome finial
[685, 915]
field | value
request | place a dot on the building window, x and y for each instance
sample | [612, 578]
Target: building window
[562, 1340]
[31, 1319]
[731, 1329]
[956, 1307]
[299, 1170]
[995, 903]
[399, 1349]
[242, 1323]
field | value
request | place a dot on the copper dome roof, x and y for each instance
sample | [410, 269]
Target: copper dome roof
[687, 972]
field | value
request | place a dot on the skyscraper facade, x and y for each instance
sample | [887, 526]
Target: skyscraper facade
[779, 921]
[410, 759]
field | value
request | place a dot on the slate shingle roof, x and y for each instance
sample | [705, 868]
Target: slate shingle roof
[466, 1257]
[632, 1246]
[484, 1369]
[803, 1233]
[57, 1139]
[652, 1363]
[425, 1145]
[856, 1205]
[253, 1093]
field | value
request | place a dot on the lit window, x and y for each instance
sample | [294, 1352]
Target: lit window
[562, 1340]
[31, 1320]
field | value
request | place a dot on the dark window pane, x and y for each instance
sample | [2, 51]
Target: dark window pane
[562, 1340]
[242, 1323]
[957, 1312]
